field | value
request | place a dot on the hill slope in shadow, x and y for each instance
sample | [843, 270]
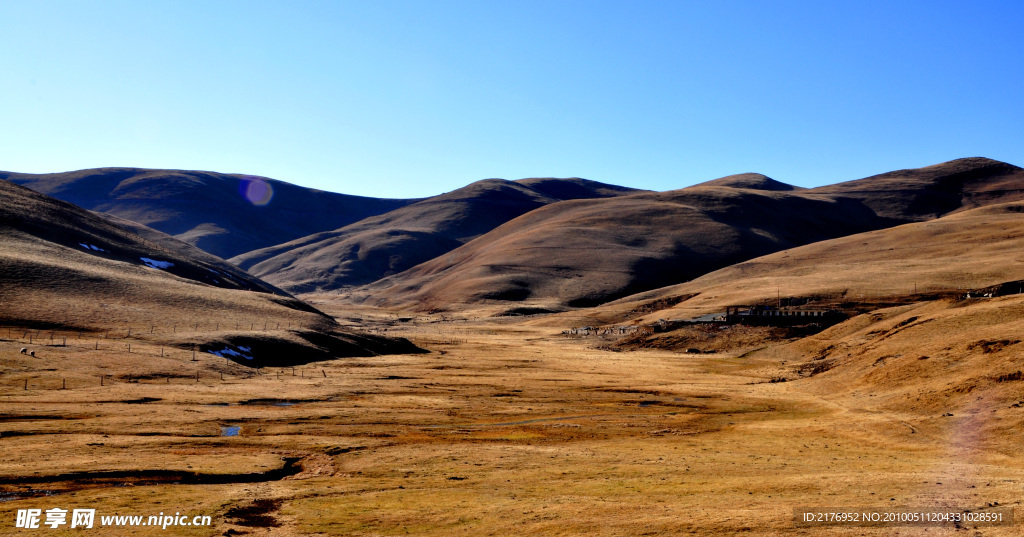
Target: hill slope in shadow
[64, 267]
[587, 252]
[978, 249]
[223, 214]
[390, 243]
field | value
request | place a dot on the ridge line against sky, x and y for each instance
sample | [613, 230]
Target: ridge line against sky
[413, 98]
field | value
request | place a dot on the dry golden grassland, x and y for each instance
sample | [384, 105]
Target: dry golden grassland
[953, 254]
[505, 429]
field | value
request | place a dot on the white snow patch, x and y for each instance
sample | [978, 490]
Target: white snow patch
[91, 247]
[154, 263]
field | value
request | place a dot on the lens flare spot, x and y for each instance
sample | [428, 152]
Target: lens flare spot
[256, 190]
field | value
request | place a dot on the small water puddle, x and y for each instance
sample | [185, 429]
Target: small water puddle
[229, 431]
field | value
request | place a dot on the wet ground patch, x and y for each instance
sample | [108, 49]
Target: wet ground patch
[11, 486]
[139, 401]
[36, 417]
[271, 401]
[257, 514]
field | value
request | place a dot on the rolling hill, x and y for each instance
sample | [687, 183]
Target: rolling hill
[976, 249]
[587, 252]
[62, 267]
[223, 214]
[390, 243]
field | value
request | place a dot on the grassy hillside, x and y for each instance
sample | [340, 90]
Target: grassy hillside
[583, 253]
[976, 249]
[224, 214]
[62, 267]
[390, 243]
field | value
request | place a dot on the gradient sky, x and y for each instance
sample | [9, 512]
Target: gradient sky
[415, 98]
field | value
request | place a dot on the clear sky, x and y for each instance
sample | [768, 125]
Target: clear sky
[415, 98]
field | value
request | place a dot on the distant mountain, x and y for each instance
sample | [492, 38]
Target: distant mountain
[223, 214]
[390, 243]
[584, 253]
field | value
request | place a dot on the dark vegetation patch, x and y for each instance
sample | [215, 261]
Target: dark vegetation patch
[712, 338]
[678, 403]
[991, 346]
[1010, 377]
[255, 515]
[905, 322]
[816, 368]
[526, 310]
[514, 294]
[33, 324]
[823, 353]
[661, 304]
[340, 450]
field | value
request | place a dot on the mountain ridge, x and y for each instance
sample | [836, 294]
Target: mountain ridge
[390, 243]
[583, 253]
[224, 214]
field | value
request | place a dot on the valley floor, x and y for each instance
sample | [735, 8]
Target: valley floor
[504, 429]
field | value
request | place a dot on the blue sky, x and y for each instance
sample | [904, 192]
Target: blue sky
[415, 98]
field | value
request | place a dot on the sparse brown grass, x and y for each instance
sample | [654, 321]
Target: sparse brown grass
[513, 430]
